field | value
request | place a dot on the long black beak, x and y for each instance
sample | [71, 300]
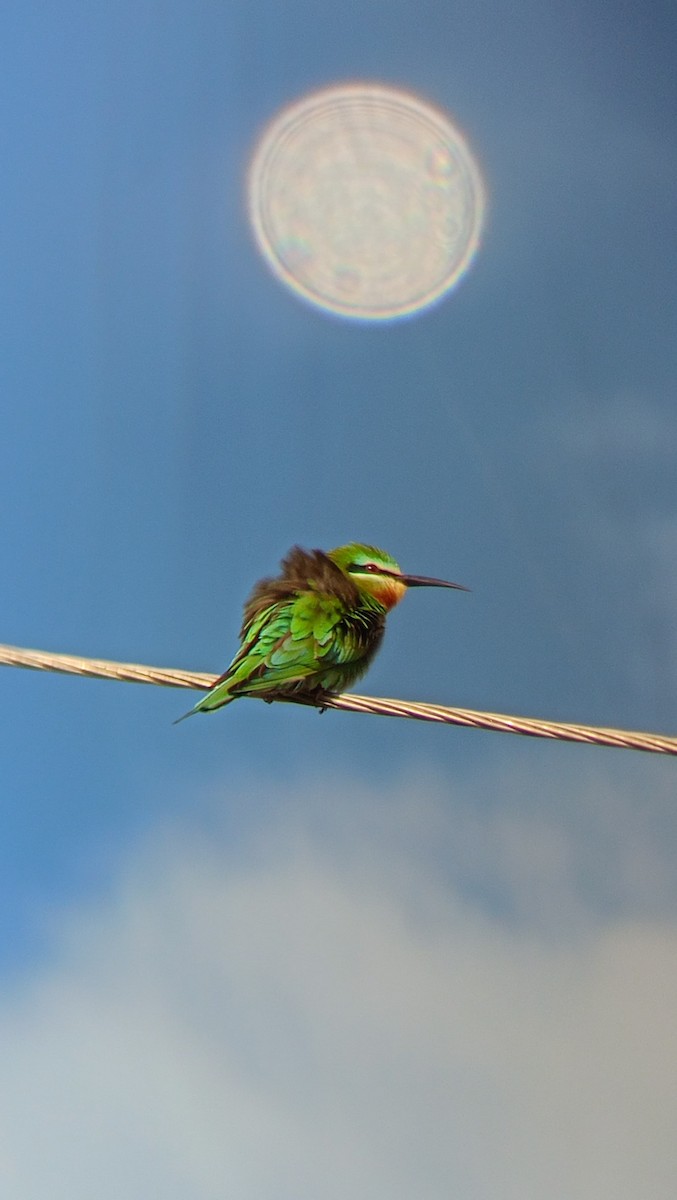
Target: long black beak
[423, 581]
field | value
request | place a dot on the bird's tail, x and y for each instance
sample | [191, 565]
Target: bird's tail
[190, 713]
[216, 698]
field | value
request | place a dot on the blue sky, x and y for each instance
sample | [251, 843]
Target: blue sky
[174, 420]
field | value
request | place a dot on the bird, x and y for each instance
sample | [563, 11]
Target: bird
[315, 628]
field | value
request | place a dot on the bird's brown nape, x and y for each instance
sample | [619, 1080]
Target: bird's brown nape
[300, 570]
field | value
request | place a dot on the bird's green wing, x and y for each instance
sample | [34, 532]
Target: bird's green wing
[288, 642]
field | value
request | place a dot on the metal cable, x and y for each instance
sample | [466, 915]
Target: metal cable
[98, 668]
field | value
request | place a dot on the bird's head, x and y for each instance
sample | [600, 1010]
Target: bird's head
[376, 573]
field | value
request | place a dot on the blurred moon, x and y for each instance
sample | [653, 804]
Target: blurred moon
[365, 200]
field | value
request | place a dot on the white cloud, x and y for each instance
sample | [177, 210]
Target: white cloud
[398, 993]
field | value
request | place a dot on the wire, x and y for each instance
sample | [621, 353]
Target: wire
[100, 668]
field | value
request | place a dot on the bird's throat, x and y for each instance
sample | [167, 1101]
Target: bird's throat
[387, 591]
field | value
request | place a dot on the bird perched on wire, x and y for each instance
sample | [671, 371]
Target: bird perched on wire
[315, 628]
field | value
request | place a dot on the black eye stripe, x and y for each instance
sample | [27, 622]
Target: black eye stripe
[366, 568]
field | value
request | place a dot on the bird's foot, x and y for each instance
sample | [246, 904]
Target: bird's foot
[321, 701]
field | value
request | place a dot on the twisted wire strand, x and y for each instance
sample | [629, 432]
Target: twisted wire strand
[99, 668]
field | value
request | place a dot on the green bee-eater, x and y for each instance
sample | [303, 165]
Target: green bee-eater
[315, 628]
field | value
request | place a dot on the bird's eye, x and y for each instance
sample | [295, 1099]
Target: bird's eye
[371, 568]
[364, 569]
